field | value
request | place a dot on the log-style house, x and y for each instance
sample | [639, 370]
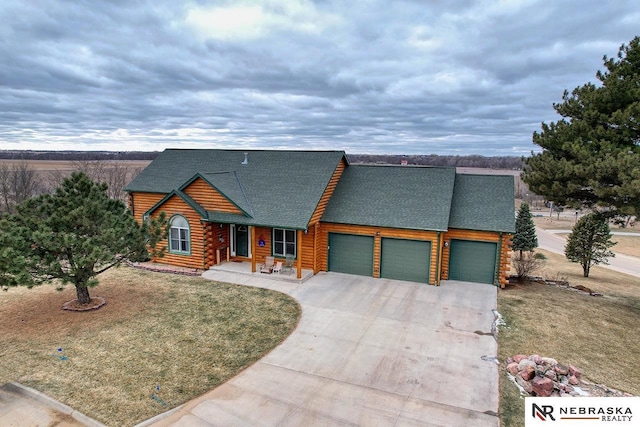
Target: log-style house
[423, 224]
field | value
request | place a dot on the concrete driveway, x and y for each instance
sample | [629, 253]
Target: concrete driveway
[366, 352]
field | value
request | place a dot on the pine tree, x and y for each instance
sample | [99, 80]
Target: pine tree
[525, 238]
[589, 242]
[72, 236]
[591, 157]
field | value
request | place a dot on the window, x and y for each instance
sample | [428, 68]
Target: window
[179, 241]
[284, 242]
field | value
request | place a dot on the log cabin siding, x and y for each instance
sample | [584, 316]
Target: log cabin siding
[305, 246]
[505, 259]
[197, 234]
[212, 243]
[378, 233]
[308, 249]
[504, 245]
[328, 192]
[209, 198]
[142, 202]
[262, 253]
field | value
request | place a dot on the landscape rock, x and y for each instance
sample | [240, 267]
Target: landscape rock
[544, 376]
[527, 373]
[518, 357]
[512, 368]
[574, 371]
[526, 385]
[524, 363]
[542, 387]
[549, 361]
[535, 358]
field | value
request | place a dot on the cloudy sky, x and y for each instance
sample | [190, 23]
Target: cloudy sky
[403, 77]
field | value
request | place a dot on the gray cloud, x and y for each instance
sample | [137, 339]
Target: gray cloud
[459, 77]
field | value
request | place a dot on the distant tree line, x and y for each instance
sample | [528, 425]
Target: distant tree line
[77, 155]
[471, 161]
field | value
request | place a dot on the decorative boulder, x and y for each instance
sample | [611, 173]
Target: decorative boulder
[527, 373]
[542, 387]
[574, 371]
[526, 385]
[561, 369]
[512, 368]
[524, 363]
[518, 357]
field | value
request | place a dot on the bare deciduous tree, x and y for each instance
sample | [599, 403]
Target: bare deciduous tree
[18, 182]
[115, 174]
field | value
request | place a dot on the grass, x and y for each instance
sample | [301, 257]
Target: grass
[592, 333]
[186, 335]
[566, 222]
[628, 245]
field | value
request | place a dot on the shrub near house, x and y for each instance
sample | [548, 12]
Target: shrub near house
[421, 224]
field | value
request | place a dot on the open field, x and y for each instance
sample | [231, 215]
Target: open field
[593, 333]
[186, 335]
[43, 166]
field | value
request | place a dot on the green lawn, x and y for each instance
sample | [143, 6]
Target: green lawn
[186, 335]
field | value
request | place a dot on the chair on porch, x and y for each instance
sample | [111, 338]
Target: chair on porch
[277, 268]
[288, 264]
[268, 265]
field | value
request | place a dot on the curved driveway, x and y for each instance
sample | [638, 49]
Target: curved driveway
[554, 243]
[368, 352]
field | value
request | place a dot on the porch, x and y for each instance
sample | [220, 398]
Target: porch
[244, 267]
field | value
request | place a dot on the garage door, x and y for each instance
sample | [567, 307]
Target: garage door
[351, 254]
[405, 260]
[471, 261]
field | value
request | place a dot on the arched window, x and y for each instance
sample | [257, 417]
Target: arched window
[179, 239]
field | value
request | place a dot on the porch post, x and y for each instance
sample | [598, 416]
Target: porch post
[299, 262]
[252, 236]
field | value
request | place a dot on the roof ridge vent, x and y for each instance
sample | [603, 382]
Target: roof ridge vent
[246, 159]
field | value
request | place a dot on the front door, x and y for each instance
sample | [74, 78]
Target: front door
[241, 240]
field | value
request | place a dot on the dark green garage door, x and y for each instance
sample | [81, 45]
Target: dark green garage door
[471, 261]
[405, 260]
[351, 254]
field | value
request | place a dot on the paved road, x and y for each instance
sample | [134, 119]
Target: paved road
[617, 233]
[366, 352]
[623, 263]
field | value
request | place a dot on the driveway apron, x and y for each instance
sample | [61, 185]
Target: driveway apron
[369, 352]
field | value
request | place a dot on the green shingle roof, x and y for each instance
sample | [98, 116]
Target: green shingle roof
[483, 202]
[393, 196]
[283, 189]
[275, 188]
